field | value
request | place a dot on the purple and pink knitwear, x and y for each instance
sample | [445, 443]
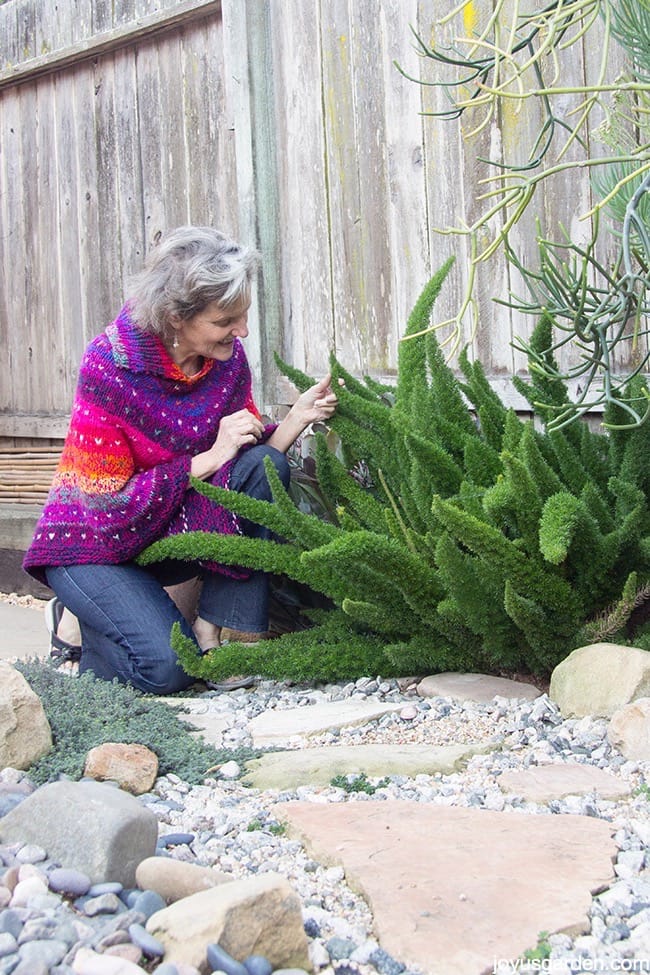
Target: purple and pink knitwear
[137, 421]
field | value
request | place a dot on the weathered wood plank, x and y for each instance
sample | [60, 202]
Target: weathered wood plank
[406, 203]
[308, 333]
[104, 40]
[238, 98]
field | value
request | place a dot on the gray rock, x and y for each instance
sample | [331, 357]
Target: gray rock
[112, 831]
[147, 944]
[49, 952]
[8, 944]
[72, 882]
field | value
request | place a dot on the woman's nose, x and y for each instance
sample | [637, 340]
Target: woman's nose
[240, 327]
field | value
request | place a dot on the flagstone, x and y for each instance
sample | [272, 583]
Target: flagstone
[545, 782]
[453, 889]
[272, 727]
[318, 766]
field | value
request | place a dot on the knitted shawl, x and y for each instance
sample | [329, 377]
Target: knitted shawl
[123, 478]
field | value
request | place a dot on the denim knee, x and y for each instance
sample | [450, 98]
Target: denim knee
[280, 463]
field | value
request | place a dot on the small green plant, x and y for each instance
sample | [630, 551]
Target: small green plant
[84, 712]
[357, 783]
[542, 949]
[269, 826]
[642, 791]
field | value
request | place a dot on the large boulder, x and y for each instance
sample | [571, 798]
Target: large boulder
[259, 915]
[87, 826]
[25, 733]
[629, 730]
[599, 679]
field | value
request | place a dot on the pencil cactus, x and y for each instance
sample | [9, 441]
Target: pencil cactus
[472, 541]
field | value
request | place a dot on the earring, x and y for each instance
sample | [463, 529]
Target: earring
[175, 342]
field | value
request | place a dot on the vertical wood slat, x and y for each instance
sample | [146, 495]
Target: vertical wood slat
[303, 190]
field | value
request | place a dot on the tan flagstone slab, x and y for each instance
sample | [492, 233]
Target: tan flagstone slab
[453, 889]
[271, 727]
[481, 688]
[318, 766]
[546, 782]
[203, 721]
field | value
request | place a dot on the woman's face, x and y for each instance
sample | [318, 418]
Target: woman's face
[211, 333]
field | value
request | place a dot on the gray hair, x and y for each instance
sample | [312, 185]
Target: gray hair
[190, 268]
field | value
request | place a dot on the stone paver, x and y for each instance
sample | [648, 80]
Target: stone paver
[453, 889]
[272, 727]
[318, 766]
[475, 687]
[546, 782]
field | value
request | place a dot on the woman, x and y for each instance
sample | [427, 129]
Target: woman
[163, 393]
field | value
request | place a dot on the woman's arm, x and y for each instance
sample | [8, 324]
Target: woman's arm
[317, 403]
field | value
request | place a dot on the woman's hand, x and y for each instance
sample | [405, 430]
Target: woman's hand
[317, 403]
[235, 431]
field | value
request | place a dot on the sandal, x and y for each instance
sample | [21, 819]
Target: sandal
[60, 650]
[230, 683]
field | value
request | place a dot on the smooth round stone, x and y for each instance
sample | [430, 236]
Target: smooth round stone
[175, 839]
[108, 887]
[12, 922]
[5, 897]
[220, 961]
[104, 904]
[8, 944]
[127, 952]
[25, 890]
[257, 965]
[148, 902]
[49, 952]
[31, 854]
[68, 881]
[167, 969]
[408, 712]
[146, 942]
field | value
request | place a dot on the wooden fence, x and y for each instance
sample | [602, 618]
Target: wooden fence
[283, 122]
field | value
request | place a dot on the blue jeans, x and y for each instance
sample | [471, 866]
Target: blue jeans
[126, 616]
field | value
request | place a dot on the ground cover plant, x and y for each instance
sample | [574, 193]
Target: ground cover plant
[461, 538]
[85, 712]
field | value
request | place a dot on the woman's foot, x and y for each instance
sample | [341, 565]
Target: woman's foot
[208, 635]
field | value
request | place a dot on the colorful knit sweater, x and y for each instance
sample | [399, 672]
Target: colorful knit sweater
[137, 421]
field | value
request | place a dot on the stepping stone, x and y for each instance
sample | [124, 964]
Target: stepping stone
[475, 687]
[453, 889]
[203, 721]
[546, 782]
[318, 766]
[271, 727]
